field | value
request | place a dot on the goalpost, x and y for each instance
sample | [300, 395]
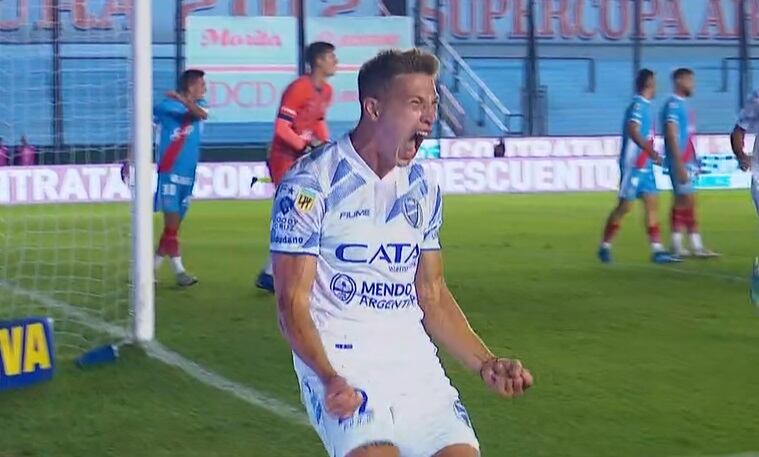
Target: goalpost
[143, 296]
[68, 250]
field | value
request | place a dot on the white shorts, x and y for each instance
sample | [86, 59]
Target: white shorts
[420, 418]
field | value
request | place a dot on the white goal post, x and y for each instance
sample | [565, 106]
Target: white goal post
[143, 293]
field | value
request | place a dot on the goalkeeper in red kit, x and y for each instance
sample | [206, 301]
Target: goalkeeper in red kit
[300, 125]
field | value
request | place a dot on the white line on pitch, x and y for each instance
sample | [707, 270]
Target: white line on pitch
[684, 271]
[740, 454]
[161, 353]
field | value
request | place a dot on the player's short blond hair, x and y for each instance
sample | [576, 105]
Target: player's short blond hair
[377, 74]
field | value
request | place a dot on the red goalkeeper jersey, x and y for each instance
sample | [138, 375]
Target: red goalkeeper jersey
[301, 117]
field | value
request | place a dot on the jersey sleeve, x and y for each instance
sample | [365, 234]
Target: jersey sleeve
[175, 110]
[636, 113]
[297, 216]
[748, 118]
[293, 99]
[671, 113]
[431, 240]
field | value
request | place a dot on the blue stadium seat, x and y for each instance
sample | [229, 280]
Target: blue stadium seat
[25, 94]
[96, 97]
[575, 107]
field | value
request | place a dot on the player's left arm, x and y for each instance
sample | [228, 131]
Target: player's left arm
[443, 318]
[448, 326]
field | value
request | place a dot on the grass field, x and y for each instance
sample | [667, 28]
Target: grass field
[630, 359]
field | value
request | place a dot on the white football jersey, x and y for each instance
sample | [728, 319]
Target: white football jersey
[748, 120]
[366, 232]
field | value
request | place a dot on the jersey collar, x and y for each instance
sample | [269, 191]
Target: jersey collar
[361, 167]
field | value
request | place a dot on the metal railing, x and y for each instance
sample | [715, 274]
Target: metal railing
[459, 80]
[490, 110]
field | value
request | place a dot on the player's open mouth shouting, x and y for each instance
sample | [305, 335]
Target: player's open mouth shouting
[419, 138]
[407, 152]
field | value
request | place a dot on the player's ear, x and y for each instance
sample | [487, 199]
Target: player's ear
[370, 106]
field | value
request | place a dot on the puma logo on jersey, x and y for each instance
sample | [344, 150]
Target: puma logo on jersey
[355, 214]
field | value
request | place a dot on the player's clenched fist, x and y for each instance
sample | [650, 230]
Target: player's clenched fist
[341, 400]
[744, 162]
[506, 377]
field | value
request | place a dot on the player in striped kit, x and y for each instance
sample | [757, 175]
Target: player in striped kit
[179, 120]
[683, 165]
[636, 164]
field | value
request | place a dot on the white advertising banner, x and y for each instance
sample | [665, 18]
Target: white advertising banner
[462, 166]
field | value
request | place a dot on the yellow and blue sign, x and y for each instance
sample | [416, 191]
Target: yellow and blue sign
[27, 352]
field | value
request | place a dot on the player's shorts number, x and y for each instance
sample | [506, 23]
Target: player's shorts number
[169, 189]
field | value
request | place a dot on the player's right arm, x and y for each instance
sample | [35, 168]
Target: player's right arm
[633, 131]
[295, 231]
[671, 134]
[292, 101]
[737, 138]
[294, 276]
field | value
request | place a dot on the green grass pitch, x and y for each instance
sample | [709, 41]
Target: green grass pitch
[630, 359]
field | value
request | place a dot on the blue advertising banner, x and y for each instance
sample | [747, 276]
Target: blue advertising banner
[27, 352]
[357, 40]
[248, 62]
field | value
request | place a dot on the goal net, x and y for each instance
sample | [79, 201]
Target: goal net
[65, 116]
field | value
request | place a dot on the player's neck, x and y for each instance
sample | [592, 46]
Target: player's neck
[317, 78]
[364, 141]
